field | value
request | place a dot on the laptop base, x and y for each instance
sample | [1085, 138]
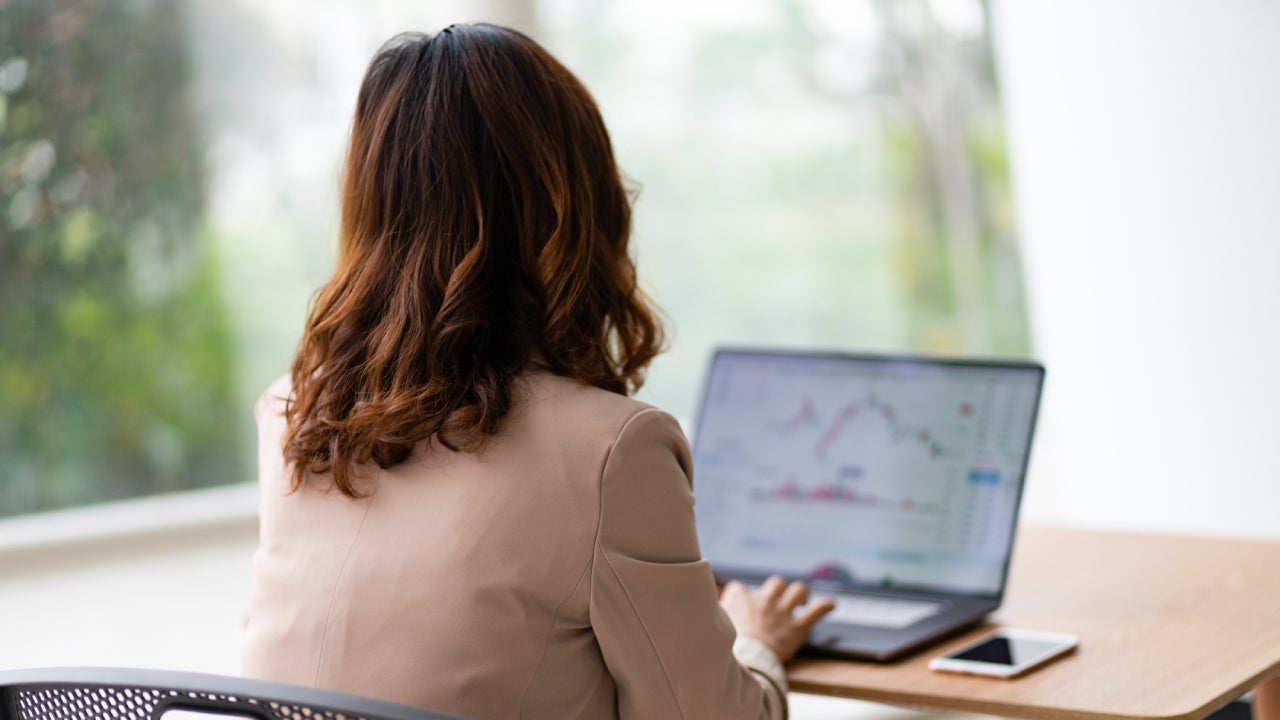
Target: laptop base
[889, 644]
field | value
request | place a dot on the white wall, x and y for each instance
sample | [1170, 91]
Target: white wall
[1145, 140]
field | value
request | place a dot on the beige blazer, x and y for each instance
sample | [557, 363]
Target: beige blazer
[554, 575]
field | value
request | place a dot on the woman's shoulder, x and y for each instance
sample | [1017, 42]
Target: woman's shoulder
[566, 406]
[569, 397]
[553, 404]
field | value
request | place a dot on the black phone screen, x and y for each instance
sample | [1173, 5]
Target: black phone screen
[1003, 650]
[996, 651]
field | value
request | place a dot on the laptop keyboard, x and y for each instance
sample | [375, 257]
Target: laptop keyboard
[876, 611]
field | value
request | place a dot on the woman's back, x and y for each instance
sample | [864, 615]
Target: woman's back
[520, 581]
[461, 508]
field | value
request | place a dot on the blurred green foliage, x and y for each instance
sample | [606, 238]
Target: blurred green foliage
[116, 375]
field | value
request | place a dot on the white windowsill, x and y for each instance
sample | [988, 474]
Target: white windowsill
[157, 514]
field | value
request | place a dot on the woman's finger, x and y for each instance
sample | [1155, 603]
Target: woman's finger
[772, 588]
[733, 589]
[796, 594]
[814, 612]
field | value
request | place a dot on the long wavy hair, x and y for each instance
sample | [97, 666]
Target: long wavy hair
[484, 227]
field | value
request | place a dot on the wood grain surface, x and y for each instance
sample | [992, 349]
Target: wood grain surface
[1170, 627]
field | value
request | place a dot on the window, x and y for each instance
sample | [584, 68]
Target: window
[817, 172]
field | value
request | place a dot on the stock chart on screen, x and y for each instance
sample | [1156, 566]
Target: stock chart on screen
[863, 471]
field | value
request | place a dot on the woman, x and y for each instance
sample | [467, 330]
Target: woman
[461, 507]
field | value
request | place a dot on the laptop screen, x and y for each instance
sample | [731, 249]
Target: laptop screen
[863, 471]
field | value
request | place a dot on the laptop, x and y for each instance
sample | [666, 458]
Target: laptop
[890, 483]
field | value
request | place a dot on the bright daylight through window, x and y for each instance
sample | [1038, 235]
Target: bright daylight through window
[817, 172]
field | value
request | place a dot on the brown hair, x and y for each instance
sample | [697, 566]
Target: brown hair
[484, 225]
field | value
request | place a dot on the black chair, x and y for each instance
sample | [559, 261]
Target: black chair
[129, 694]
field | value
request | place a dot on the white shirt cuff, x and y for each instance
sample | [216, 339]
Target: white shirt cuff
[758, 658]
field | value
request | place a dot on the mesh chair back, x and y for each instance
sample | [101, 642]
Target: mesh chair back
[128, 694]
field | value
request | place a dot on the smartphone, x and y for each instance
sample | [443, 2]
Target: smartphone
[1006, 653]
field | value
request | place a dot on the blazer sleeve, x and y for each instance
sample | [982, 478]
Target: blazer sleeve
[654, 608]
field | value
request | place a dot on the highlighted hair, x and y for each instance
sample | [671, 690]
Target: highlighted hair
[484, 224]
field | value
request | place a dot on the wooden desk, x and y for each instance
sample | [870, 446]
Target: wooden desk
[1170, 627]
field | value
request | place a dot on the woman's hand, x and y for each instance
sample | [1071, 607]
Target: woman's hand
[768, 613]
